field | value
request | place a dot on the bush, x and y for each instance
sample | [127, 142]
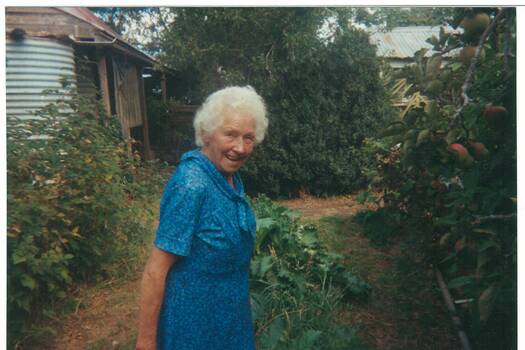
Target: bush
[380, 226]
[70, 208]
[297, 285]
[324, 95]
[447, 166]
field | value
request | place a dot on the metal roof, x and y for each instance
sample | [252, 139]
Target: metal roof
[84, 14]
[403, 42]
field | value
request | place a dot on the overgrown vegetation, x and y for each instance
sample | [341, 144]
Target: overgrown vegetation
[445, 171]
[73, 213]
[446, 167]
[405, 308]
[380, 225]
[298, 285]
[318, 76]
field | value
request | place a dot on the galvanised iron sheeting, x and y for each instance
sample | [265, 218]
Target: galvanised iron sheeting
[33, 66]
[403, 42]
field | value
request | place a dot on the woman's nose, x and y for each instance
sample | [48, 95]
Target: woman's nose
[239, 145]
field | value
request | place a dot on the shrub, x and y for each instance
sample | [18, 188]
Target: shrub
[379, 225]
[70, 208]
[448, 167]
[324, 95]
[297, 285]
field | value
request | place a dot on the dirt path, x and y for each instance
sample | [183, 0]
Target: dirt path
[105, 319]
[316, 208]
[392, 319]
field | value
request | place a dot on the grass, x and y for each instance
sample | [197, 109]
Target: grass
[97, 314]
[405, 309]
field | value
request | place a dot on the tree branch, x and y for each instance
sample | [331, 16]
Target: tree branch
[448, 49]
[452, 310]
[506, 47]
[479, 219]
[270, 52]
[472, 67]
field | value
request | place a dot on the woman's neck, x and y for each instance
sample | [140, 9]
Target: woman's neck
[229, 178]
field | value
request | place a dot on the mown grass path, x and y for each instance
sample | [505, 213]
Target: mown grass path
[404, 311]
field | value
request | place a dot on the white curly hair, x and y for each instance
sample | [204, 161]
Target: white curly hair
[242, 99]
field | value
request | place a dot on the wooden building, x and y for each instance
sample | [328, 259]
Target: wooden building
[44, 43]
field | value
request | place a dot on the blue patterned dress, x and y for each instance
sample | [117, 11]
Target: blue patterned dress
[208, 222]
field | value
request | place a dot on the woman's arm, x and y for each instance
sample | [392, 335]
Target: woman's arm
[151, 296]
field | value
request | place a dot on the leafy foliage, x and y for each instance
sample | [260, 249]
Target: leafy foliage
[390, 17]
[447, 168]
[379, 225]
[297, 284]
[71, 214]
[140, 26]
[319, 80]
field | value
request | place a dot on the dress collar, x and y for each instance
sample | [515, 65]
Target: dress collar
[244, 212]
[220, 181]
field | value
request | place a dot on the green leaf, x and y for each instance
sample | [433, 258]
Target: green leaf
[486, 302]
[422, 137]
[445, 221]
[445, 239]
[433, 66]
[391, 130]
[65, 275]
[487, 244]
[17, 258]
[455, 66]
[273, 335]
[485, 230]
[460, 282]
[483, 259]
[361, 197]
[265, 223]
[292, 214]
[28, 281]
[260, 265]
[308, 340]
[310, 239]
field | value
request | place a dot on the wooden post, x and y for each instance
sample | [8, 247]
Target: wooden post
[104, 83]
[117, 82]
[144, 114]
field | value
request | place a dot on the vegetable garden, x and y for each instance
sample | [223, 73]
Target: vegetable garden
[439, 174]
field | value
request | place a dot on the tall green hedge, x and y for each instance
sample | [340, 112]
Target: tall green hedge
[319, 77]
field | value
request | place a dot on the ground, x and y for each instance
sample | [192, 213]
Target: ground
[405, 310]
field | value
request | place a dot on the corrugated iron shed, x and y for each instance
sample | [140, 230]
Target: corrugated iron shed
[403, 42]
[117, 41]
[77, 24]
[99, 58]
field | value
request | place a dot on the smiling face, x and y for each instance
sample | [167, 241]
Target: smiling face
[230, 145]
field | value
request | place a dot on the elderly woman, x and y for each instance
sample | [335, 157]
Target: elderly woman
[195, 292]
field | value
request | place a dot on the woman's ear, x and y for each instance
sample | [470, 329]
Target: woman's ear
[205, 139]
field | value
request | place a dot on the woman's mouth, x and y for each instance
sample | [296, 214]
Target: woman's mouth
[234, 158]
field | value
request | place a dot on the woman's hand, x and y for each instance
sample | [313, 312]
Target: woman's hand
[151, 296]
[143, 345]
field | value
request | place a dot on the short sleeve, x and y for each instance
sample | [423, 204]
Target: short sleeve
[179, 214]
